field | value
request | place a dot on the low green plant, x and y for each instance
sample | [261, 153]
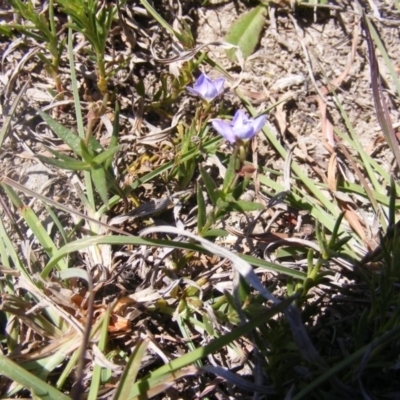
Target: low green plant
[96, 160]
[94, 22]
[302, 331]
[43, 30]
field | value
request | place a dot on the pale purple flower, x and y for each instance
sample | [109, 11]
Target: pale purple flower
[207, 89]
[241, 127]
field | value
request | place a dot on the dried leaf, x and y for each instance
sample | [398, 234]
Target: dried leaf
[332, 181]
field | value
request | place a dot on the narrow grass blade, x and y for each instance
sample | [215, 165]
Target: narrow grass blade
[78, 114]
[257, 262]
[167, 381]
[59, 155]
[58, 223]
[245, 206]
[43, 367]
[53, 203]
[201, 210]
[96, 377]
[8, 254]
[357, 146]
[35, 225]
[131, 370]
[384, 55]
[364, 156]
[77, 353]
[365, 185]
[304, 201]
[35, 385]
[392, 204]
[359, 190]
[8, 117]
[159, 19]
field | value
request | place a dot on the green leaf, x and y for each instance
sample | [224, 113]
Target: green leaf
[240, 188]
[244, 206]
[86, 152]
[210, 185]
[244, 289]
[100, 182]
[212, 233]
[222, 204]
[69, 165]
[246, 31]
[107, 155]
[5, 30]
[59, 155]
[230, 174]
[67, 136]
[201, 211]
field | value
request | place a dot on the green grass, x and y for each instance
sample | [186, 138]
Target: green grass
[88, 309]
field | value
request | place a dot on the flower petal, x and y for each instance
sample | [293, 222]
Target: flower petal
[206, 87]
[200, 86]
[224, 130]
[193, 91]
[209, 93]
[244, 132]
[258, 123]
[239, 119]
[219, 85]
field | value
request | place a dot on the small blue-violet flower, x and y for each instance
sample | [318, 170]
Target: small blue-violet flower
[206, 88]
[241, 127]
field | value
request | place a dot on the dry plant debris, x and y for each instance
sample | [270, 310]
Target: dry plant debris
[199, 199]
